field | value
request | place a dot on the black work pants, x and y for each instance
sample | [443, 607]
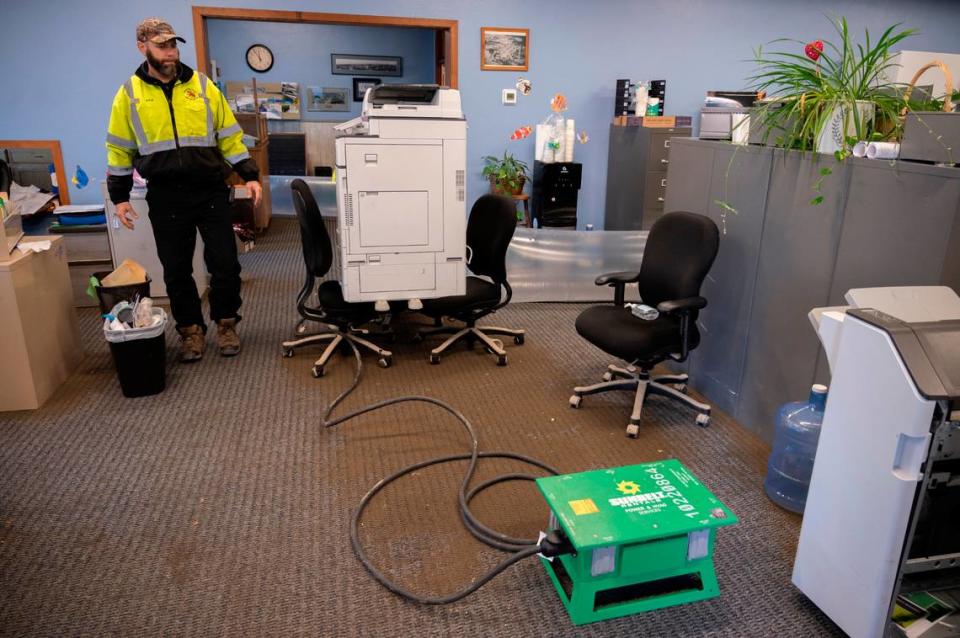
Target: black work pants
[177, 212]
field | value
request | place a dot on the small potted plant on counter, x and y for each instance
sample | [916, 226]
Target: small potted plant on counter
[507, 174]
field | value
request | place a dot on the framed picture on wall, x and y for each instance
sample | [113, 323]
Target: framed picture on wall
[347, 64]
[327, 99]
[504, 49]
[360, 86]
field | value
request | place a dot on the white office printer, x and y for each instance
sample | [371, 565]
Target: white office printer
[400, 196]
[883, 512]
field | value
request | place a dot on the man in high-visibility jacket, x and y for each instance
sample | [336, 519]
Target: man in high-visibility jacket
[174, 126]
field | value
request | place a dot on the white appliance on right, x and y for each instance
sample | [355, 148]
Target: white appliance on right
[883, 511]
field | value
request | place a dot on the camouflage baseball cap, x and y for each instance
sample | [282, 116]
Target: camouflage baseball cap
[157, 31]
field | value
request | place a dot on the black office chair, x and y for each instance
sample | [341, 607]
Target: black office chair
[493, 219]
[341, 318]
[679, 251]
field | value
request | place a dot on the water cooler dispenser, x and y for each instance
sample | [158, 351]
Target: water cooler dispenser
[555, 187]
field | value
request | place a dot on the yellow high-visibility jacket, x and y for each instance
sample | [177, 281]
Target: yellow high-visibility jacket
[181, 134]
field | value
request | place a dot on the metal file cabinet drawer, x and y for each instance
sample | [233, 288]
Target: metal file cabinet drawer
[654, 191]
[87, 246]
[660, 149]
[29, 155]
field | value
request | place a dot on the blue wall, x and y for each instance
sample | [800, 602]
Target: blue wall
[301, 54]
[579, 48]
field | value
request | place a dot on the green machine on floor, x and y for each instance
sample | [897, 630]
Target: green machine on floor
[643, 537]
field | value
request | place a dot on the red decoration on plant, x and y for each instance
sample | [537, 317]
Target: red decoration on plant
[814, 49]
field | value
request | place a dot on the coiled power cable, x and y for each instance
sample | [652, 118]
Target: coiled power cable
[552, 545]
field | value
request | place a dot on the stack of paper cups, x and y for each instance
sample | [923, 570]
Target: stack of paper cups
[568, 141]
[542, 137]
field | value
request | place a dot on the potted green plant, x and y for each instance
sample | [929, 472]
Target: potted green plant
[831, 95]
[507, 174]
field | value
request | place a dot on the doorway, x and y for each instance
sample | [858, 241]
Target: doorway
[446, 32]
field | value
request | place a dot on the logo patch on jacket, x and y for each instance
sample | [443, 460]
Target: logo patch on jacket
[190, 94]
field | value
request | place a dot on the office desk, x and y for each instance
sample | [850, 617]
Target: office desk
[38, 326]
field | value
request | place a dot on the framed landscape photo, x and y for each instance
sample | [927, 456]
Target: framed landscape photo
[360, 86]
[347, 64]
[327, 99]
[504, 49]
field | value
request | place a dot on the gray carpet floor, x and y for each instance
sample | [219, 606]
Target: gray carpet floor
[221, 506]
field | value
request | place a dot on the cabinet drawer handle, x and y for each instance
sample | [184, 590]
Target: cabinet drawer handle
[664, 161]
[659, 199]
[666, 143]
[663, 183]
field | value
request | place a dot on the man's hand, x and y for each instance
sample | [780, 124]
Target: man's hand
[256, 191]
[126, 214]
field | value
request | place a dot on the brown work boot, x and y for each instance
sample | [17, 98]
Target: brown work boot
[192, 342]
[227, 338]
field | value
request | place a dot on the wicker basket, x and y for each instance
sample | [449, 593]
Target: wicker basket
[931, 136]
[947, 103]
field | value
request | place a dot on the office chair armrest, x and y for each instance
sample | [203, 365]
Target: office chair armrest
[612, 278]
[618, 281]
[682, 305]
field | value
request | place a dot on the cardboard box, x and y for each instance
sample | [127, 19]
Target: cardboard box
[39, 340]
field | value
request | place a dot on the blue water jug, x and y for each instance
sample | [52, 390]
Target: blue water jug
[794, 447]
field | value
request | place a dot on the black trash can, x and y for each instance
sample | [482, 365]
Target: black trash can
[110, 296]
[140, 357]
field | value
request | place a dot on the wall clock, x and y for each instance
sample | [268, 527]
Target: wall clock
[259, 58]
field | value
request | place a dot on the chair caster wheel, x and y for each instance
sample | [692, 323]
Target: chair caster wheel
[317, 372]
[607, 376]
[434, 359]
[681, 387]
[518, 339]
[385, 362]
[633, 430]
[287, 353]
[502, 360]
[703, 420]
[575, 401]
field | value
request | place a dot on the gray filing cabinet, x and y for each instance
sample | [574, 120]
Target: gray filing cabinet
[880, 224]
[637, 175]
[30, 166]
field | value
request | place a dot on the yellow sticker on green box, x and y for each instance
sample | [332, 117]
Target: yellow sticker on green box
[583, 506]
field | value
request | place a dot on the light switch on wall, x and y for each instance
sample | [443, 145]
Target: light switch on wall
[509, 96]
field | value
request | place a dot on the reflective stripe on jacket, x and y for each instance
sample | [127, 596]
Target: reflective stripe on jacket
[193, 143]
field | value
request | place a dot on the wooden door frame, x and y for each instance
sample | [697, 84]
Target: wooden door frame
[63, 194]
[201, 14]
